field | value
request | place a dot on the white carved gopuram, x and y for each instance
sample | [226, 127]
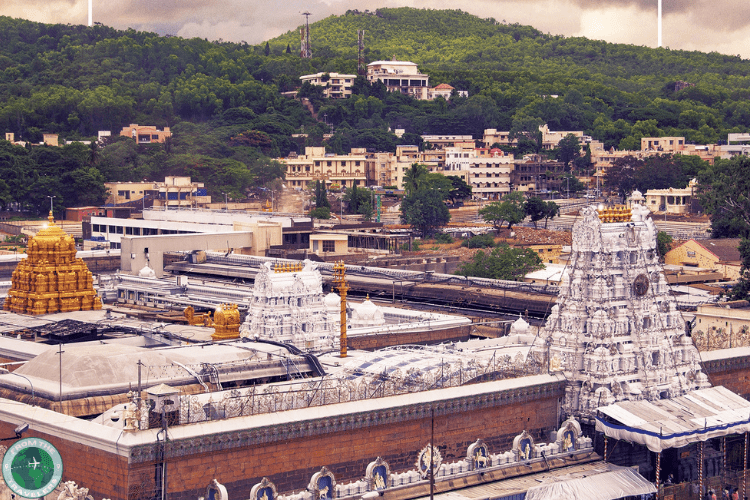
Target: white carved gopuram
[615, 332]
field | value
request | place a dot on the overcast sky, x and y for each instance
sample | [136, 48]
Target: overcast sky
[706, 25]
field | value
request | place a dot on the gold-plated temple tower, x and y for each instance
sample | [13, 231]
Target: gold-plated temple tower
[51, 279]
[226, 322]
[618, 213]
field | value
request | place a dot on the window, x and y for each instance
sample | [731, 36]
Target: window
[329, 246]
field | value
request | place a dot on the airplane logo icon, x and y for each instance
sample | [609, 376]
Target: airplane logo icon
[34, 463]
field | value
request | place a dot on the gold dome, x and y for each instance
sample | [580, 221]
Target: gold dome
[51, 278]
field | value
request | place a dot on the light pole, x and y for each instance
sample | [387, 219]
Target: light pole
[50, 204]
[226, 202]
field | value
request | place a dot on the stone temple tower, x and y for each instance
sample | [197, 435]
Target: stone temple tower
[615, 332]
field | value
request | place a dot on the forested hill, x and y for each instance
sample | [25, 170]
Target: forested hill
[222, 100]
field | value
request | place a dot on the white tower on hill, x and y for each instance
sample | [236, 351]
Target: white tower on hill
[615, 331]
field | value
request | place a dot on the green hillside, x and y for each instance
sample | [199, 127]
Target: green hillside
[222, 100]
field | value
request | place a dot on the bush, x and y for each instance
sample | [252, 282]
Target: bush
[481, 241]
[320, 213]
[443, 238]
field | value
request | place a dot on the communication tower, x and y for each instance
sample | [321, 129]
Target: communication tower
[305, 50]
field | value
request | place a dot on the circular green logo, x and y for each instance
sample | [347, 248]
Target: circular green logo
[32, 468]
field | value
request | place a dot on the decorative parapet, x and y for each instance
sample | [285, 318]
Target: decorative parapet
[297, 427]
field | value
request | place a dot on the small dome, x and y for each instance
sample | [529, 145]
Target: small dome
[147, 272]
[519, 326]
[332, 300]
[366, 310]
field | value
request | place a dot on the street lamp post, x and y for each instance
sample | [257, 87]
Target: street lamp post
[226, 202]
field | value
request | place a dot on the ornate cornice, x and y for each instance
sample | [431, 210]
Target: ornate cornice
[301, 429]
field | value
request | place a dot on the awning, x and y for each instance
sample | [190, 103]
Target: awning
[607, 482]
[673, 423]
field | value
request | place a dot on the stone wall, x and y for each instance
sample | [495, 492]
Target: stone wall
[422, 337]
[288, 447]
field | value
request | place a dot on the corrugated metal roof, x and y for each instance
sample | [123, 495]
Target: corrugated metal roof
[676, 422]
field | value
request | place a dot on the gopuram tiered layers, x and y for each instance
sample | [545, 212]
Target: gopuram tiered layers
[51, 279]
[615, 332]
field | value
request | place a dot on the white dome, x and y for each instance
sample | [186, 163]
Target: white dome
[366, 310]
[519, 326]
[147, 272]
[332, 300]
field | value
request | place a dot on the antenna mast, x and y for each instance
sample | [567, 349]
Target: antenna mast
[658, 29]
[305, 51]
[361, 50]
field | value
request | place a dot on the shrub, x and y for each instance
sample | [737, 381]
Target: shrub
[443, 238]
[481, 241]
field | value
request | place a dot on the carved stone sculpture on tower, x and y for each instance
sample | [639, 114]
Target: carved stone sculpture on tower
[615, 331]
[288, 306]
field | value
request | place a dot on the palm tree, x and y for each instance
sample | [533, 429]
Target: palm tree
[414, 178]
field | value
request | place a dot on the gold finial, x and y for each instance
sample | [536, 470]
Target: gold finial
[51, 218]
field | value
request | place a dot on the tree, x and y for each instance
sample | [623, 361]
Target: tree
[510, 210]
[502, 263]
[320, 213]
[663, 243]
[568, 149]
[723, 192]
[414, 178]
[321, 197]
[423, 207]
[267, 50]
[525, 130]
[538, 209]
[460, 190]
[356, 199]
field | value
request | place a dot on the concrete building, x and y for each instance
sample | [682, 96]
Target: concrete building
[327, 244]
[174, 192]
[169, 222]
[718, 255]
[335, 85]
[531, 175]
[672, 200]
[343, 171]
[146, 134]
[488, 173]
[663, 144]
[400, 76]
[550, 139]
[445, 91]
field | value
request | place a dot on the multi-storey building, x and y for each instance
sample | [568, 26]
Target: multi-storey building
[487, 172]
[535, 176]
[550, 138]
[400, 76]
[173, 192]
[342, 171]
[335, 85]
[145, 134]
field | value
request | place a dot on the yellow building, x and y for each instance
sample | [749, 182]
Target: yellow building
[721, 255]
[722, 326]
[145, 134]
[51, 279]
[329, 243]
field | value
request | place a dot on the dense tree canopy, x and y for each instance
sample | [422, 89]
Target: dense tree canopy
[224, 105]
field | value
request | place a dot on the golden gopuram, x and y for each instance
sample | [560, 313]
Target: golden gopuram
[226, 322]
[51, 279]
[618, 213]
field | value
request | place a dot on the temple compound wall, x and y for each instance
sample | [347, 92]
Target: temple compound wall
[289, 447]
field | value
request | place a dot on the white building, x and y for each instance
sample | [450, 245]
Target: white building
[336, 85]
[400, 76]
[488, 175]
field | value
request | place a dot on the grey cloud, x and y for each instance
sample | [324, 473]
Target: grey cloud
[692, 24]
